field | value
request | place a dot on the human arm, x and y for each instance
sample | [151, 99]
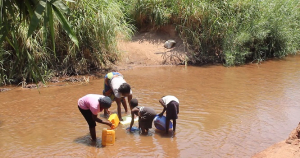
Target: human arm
[101, 121]
[132, 121]
[118, 101]
[164, 105]
[139, 123]
[129, 99]
[133, 111]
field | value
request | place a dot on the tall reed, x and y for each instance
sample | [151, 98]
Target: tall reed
[98, 24]
[233, 31]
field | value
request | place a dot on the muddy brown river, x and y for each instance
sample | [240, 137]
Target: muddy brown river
[224, 112]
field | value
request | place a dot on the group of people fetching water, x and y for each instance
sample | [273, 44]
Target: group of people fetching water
[116, 89]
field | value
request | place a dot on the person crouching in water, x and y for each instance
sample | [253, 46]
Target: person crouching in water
[171, 105]
[89, 106]
[146, 116]
[117, 89]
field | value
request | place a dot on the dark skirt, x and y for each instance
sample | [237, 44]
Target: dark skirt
[172, 110]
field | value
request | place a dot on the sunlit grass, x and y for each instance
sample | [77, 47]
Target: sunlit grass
[98, 25]
[233, 32]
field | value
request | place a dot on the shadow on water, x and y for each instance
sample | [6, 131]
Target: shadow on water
[86, 140]
[163, 134]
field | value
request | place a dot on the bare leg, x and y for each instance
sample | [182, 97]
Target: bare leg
[167, 125]
[93, 133]
[144, 131]
[174, 125]
[124, 104]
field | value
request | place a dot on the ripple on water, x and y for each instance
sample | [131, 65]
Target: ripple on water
[224, 112]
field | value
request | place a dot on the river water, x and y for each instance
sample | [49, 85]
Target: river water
[224, 112]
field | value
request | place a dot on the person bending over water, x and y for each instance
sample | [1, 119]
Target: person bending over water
[89, 106]
[146, 116]
[117, 89]
[171, 105]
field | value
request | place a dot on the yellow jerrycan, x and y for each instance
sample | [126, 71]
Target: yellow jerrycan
[114, 119]
[108, 137]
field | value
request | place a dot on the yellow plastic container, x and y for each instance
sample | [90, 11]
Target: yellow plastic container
[114, 119]
[108, 137]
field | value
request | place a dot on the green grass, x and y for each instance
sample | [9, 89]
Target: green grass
[233, 32]
[97, 24]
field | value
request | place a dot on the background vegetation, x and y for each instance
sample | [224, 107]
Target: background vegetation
[230, 31]
[42, 38]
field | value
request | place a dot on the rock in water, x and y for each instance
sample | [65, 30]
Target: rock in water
[169, 44]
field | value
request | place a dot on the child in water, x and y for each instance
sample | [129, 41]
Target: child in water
[146, 116]
[89, 106]
[171, 105]
[117, 89]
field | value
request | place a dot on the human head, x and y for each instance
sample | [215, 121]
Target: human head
[133, 103]
[105, 102]
[124, 89]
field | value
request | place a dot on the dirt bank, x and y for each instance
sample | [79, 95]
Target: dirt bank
[289, 148]
[147, 49]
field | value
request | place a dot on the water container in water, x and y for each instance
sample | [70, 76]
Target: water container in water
[114, 119]
[108, 137]
[160, 123]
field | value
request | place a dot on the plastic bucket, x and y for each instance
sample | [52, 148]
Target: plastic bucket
[108, 137]
[160, 122]
[114, 119]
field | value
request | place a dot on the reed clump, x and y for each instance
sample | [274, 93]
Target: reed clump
[97, 24]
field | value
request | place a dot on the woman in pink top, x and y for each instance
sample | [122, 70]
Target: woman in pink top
[89, 106]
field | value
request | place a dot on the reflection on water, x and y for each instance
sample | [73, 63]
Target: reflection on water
[224, 112]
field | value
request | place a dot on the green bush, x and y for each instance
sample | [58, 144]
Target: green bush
[38, 45]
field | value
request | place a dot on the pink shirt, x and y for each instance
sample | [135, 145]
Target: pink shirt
[90, 102]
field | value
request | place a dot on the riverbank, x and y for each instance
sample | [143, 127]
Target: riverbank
[144, 50]
[289, 148]
[147, 50]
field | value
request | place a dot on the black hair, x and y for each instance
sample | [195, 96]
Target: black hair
[134, 102]
[124, 88]
[105, 102]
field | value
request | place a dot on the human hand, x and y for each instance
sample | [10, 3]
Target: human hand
[108, 123]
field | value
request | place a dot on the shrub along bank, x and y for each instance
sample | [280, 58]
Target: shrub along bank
[40, 38]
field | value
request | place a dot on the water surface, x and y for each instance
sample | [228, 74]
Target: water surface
[224, 112]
